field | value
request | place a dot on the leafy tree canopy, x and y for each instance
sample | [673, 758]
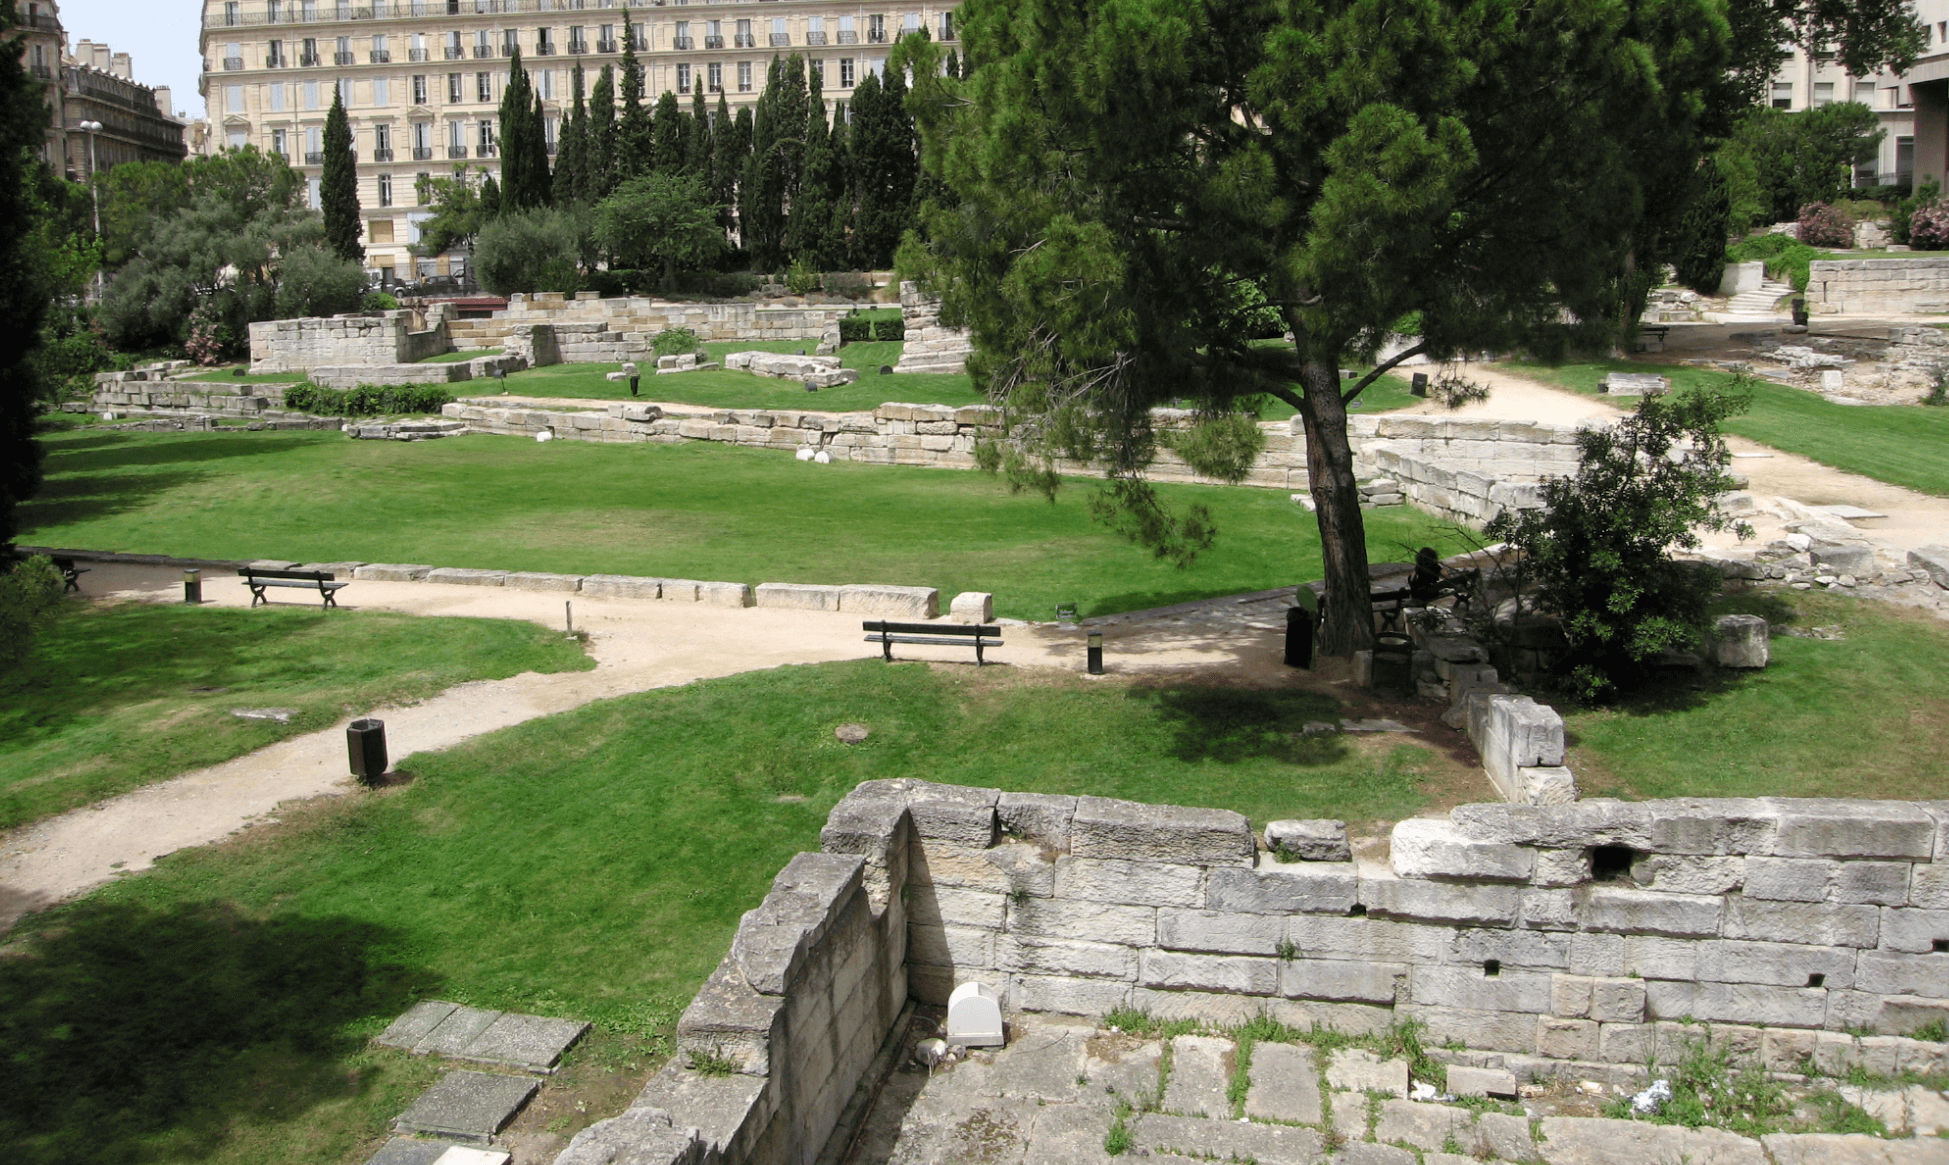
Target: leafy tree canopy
[661, 220]
[461, 207]
[1778, 162]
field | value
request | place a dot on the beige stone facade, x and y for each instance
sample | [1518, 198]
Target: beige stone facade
[93, 84]
[422, 79]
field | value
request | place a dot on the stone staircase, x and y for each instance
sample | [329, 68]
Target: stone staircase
[1758, 304]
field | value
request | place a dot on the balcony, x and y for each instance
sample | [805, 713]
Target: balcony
[343, 58]
[815, 38]
[419, 54]
[745, 40]
[308, 59]
[545, 49]
[380, 56]
[382, 154]
[781, 40]
[44, 72]
[314, 157]
[456, 53]
[605, 46]
[551, 149]
[682, 42]
[578, 47]
[274, 61]
[483, 52]
[230, 64]
[422, 153]
[876, 36]
[483, 152]
[713, 42]
[456, 151]
[848, 36]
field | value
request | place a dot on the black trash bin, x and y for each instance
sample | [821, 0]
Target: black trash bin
[1799, 313]
[365, 745]
[1299, 637]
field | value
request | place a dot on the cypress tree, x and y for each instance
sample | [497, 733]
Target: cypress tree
[667, 153]
[839, 230]
[701, 135]
[490, 196]
[538, 171]
[23, 299]
[734, 163]
[338, 187]
[572, 153]
[885, 167]
[599, 176]
[953, 70]
[633, 149]
[520, 185]
[811, 217]
[777, 148]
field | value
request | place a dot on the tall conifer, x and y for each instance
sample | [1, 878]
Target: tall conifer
[338, 186]
[572, 151]
[601, 165]
[633, 145]
[701, 134]
[524, 184]
[667, 151]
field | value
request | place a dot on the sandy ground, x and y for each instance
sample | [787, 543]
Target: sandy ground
[637, 645]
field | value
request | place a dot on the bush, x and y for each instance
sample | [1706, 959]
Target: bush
[312, 281]
[1822, 225]
[1928, 228]
[30, 597]
[1787, 259]
[1600, 547]
[534, 250]
[801, 279]
[211, 338]
[378, 301]
[67, 364]
[1927, 194]
[675, 342]
[848, 285]
[367, 400]
[1702, 232]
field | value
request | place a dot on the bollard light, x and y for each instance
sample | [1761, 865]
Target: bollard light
[365, 747]
[633, 382]
[1096, 653]
[193, 585]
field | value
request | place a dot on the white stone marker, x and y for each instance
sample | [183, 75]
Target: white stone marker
[974, 1017]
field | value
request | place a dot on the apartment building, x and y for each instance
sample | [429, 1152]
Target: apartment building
[1811, 80]
[94, 85]
[422, 79]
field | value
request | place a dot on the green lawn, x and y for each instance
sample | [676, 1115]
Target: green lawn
[1905, 445]
[1863, 716]
[112, 697]
[460, 357]
[591, 864]
[706, 511]
[229, 377]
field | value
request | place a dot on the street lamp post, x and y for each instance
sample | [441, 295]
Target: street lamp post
[91, 128]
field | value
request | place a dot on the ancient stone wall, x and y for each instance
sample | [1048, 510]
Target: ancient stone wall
[930, 347]
[115, 393]
[1459, 468]
[1578, 941]
[1869, 286]
[357, 339]
[630, 324]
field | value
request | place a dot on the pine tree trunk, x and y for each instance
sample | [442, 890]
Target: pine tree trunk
[1349, 623]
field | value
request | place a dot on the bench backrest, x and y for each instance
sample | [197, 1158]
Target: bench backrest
[930, 628]
[307, 575]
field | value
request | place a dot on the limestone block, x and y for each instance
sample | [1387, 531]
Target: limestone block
[1566, 1039]
[1101, 921]
[953, 813]
[1380, 940]
[1323, 887]
[1308, 841]
[1605, 999]
[1929, 887]
[1788, 879]
[1011, 868]
[1440, 902]
[724, 594]
[1776, 964]
[1736, 1003]
[1598, 1141]
[1342, 980]
[1426, 1126]
[1358, 1070]
[1689, 873]
[391, 572]
[1475, 989]
[950, 946]
[1200, 1077]
[1813, 923]
[1285, 1085]
[1877, 883]
[1069, 996]
[938, 905]
[1107, 828]
[972, 607]
[622, 586]
[1833, 828]
[1508, 1031]
[797, 596]
[1935, 560]
[1676, 826]
[1130, 883]
[1040, 817]
[1029, 954]
[1916, 932]
[531, 580]
[1853, 558]
[890, 602]
[728, 1020]
[464, 576]
[1432, 848]
[1233, 974]
[1511, 948]
[1610, 908]
[1740, 641]
[1219, 931]
[1561, 867]
[1467, 1081]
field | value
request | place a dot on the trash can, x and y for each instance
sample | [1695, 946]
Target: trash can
[365, 746]
[1393, 664]
[1299, 637]
[1799, 312]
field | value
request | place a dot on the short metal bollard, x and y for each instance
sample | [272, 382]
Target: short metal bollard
[193, 585]
[1096, 653]
[1419, 384]
[1299, 637]
[633, 382]
[365, 747]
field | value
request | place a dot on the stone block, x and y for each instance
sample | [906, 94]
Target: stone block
[1876, 883]
[1736, 1003]
[1308, 841]
[1179, 1138]
[1070, 996]
[1439, 902]
[937, 905]
[1833, 828]
[724, 594]
[532, 580]
[390, 572]
[1561, 867]
[1329, 937]
[950, 946]
[1610, 908]
[1425, 847]
[1496, 1082]
[1358, 1070]
[1740, 641]
[1689, 873]
[467, 1106]
[622, 586]
[1788, 879]
[1305, 887]
[1219, 931]
[1010, 869]
[1284, 1085]
[1105, 828]
[1598, 1141]
[890, 602]
[1506, 1031]
[972, 607]
[1933, 559]
[1029, 954]
[1855, 558]
[1342, 980]
[1929, 886]
[677, 590]
[416, 1024]
[1038, 817]
[1890, 973]
[1131, 883]
[958, 814]
[1566, 1039]
[1101, 921]
[1480, 988]
[1200, 1077]
[1813, 923]
[533, 1042]
[1776, 964]
[1426, 1126]
[797, 596]
[452, 1034]
[1232, 974]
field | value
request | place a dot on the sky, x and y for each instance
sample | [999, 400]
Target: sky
[160, 36]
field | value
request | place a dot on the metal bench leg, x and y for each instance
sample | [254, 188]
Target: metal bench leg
[886, 642]
[978, 660]
[257, 596]
[331, 600]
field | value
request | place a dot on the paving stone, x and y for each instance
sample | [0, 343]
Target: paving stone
[1426, 1126]
[412, 1027]
[1069, 1134]
[1223, 1140]
[944, 1129]
[1366, 1154]
[1121, 1065]
[470, 1106]
[1285, 1085]
[1200, 1076]
[1357, 1070]
[1838, 1149]
[461, 1027]
[1596, 1141]
[1041, 1064]
[1467, 1081]
[526, 1041]
[408, 1151]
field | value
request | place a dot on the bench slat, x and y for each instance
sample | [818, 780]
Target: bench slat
[942, 641]
[299, 583]
[930, 628]
[311, 575]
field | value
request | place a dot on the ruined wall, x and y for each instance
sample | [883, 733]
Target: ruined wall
[120, 391]
[622, 328]
[1570, 938]
[1869, 286]
[355, 339]
[929, 346]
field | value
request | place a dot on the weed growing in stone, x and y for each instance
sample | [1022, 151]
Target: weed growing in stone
[1117, 1141]
[1937, 1030]
[711, 1064]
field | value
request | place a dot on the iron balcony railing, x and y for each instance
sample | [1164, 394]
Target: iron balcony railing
[232, 64]
[419, 55]
[308, 59]
[381, 57]
[422, 153]
[605, 46]
[314, 157]
[456, 53]
[343, 58]
[815, 38]
[713, 42]
[545, 49]
[780, 40]
[382, 154]
[456, 151]
[848, 36]
[746, 40]
[682, 42]
[876, 36]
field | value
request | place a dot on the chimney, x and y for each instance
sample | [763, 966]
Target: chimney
[98, 56]
[163, 104]
[121, 68]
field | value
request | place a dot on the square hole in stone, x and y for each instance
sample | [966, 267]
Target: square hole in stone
[1491, 968]
[1611, 863]
[1357, 910]
[1816, 980]
[1940, 946]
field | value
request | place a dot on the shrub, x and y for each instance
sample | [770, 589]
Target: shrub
[30, 597]
[1927, 194]
[675, 342]
[1787, 259]
[1600, 546]
[67, 364]
[534, 250]
[378, 301]
[1928, 228]
[367, 400]
[801, 279]
[312, 281]
[211, 338]
[1702, 232]
[1822, 225]
[848, 284]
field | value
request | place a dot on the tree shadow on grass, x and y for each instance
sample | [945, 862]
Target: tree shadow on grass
[93, 455]
[126, 1028]
[1232, 725]
[67, 501]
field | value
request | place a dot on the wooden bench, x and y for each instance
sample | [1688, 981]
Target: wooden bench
[320, 580]
[70, 574]
[947, 635]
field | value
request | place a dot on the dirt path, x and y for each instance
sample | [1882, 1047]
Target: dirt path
[637, 645]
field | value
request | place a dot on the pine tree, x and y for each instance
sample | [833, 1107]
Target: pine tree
[600, 169]
[953, 70]
[338, 187]
[572, 152]
[667, 151]
[634, 149]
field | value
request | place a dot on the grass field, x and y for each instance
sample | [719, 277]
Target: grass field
[1776, 732]
[460, 357]
[1905, 445]
[591, 864]
[690, 511]
[228, 377]
[112, 697]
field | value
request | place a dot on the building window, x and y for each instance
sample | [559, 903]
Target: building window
[238, 139]
[483, 86]
[550, 132]
[274, 55]
[1904, 160]
[1823, 93]
[485, 138]
[483, 44]
[342, 54]
[815, 30]
[419, 89]
[420, 183]
[846, 75]
[457, 137]
[744, 76]
[311, 94]
[382, 143]
[1867, 93]
[422, 141]
[847, 33]
[381, 92]
[683, 78]
[233, 98]
[681, 38]
[545, 82]
[876, 30]
[947, 26]
[912, 23]
[1783, 94]
[314, 145]
[311, 193]
[453, 88]
[714, 34]
[278, 144]
[310, 54]
[779, 37]
[385, 195]
[229, 12]
[744, 35]
[454, 51]
[380, 53]
[877, 66]
[714, 74]
[816, 68]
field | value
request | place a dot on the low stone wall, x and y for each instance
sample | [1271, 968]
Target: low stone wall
[633, 322]
[1581, 941]
[930, 347]
[439, 372]
[1871, 286]
[375, 338]
[186, 397]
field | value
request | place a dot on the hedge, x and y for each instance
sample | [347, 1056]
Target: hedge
[860, 329]
[367, 400]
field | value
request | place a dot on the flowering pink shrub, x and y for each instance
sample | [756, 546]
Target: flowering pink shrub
[1928, 230]
[210, 337]
[1823, 226]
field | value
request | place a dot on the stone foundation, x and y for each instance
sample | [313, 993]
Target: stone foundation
[929, 346]
[1874, 286]
[359, 338]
